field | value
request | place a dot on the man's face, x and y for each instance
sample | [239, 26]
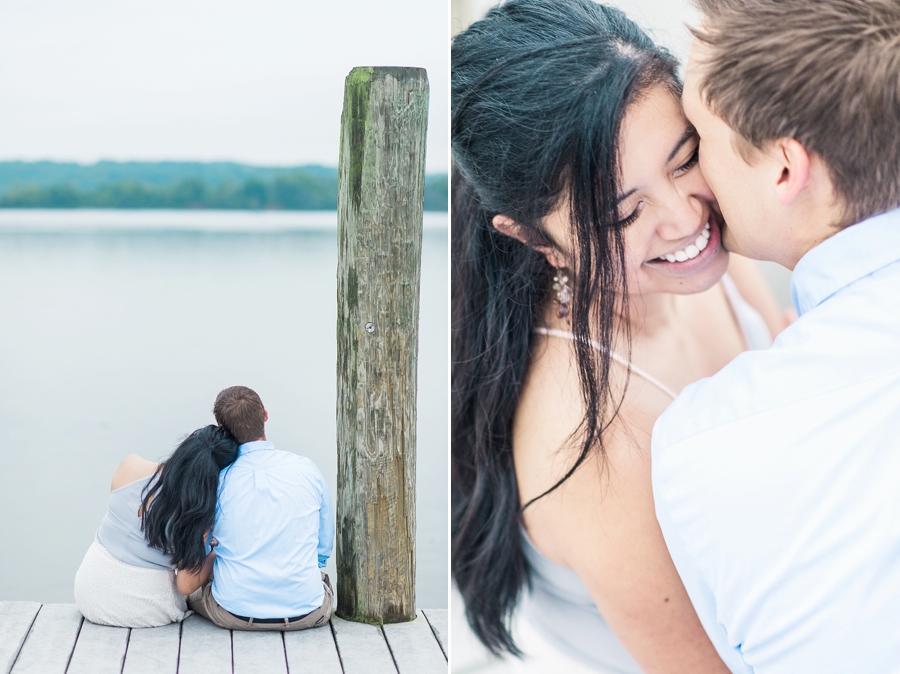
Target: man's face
[743, 190]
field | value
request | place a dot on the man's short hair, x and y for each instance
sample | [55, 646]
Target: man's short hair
[240, 410]
[825, 72]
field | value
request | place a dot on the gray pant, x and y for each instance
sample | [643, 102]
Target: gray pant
[203, 602]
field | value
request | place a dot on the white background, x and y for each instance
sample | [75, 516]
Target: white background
[257, 82]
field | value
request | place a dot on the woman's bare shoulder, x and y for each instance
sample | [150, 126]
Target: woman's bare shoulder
[603, 526]
[132, 469]
[617, 470]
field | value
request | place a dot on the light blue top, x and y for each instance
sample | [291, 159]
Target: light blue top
[120, 531]
[559, 603]
[777, 481]
[275, 528]
[560, 606]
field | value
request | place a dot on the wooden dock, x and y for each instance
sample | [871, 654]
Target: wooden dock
[55, 639]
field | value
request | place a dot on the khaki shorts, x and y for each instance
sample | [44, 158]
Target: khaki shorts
[202, 602]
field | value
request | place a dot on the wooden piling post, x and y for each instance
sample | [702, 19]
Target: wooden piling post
[380, 198]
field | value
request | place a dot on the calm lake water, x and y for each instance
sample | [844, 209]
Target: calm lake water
[118, 329]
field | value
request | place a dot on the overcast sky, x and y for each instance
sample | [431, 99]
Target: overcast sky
[258, 82]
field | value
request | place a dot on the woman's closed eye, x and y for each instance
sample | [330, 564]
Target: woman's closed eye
[635, 214]
[690, 163]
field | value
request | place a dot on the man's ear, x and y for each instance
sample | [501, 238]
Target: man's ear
[795, 164]
[506, 225]
[265, 414]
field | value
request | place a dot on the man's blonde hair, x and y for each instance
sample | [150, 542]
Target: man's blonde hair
[825, 72]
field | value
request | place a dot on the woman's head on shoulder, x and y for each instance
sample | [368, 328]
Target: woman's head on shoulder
[179, 508]
[215, 440]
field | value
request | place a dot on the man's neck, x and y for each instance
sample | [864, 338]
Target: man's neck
[817, 215]
[808, 230]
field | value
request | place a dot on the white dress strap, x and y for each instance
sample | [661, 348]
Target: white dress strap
[624, 362]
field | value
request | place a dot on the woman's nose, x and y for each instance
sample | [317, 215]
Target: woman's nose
[687, 206]
[681, 218]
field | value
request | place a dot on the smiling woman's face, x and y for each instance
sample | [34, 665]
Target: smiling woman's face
[673, 242]
[672, 239]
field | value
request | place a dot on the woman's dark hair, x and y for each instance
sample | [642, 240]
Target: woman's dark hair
[538, 92]
[179, 506]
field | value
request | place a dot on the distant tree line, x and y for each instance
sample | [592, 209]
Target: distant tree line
[300, 189]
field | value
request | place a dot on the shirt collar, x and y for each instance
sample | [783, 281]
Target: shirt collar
[853, 253]
[255, 445]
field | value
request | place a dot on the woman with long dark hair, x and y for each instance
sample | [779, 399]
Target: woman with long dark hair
[588, 288]
[153, 545]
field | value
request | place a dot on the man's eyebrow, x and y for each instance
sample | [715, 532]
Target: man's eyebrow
[689, 133]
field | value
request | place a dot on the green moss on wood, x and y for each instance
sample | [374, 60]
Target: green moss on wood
[358, 89]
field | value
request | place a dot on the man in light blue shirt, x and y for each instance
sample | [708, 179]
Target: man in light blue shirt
[777, 481]
[274, 531]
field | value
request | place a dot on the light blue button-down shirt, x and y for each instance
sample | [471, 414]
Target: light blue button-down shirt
[275, 528]
[777, 481]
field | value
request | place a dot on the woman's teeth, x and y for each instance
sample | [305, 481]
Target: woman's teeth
[691, 251]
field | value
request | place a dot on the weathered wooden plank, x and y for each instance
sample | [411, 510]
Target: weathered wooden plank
[312, 651]
[414, 647]
[437, 618]
[258, 653]
[100, 650]
[153, 650]
[205, 648]
[363, 648]
[380, 193]
[50, 643]
[16, 618]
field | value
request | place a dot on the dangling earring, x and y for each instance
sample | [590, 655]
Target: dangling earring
[563, 293]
